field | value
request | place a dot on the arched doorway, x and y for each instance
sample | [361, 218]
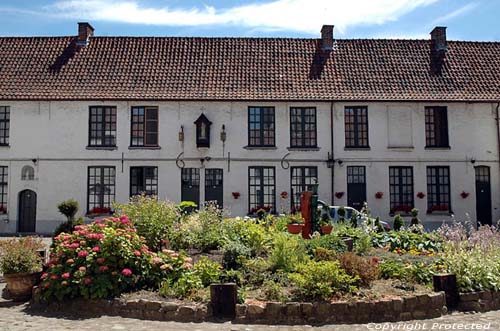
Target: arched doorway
[27, 211]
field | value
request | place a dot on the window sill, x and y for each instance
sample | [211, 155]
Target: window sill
[400, 214]
[99, 215]
[4, 146]
[440, 213]
[401, 148]
[144, 147]
[304, 149]
[357, 148]
[101, 148]
[444, 148]
[260, 147]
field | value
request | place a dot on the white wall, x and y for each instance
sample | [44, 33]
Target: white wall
[56, 135]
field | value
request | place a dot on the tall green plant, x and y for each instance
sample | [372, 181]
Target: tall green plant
[68, 208]
[152, 218]
[287, 252]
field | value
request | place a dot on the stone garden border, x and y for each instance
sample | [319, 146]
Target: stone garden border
[479, 301]
[387, 310]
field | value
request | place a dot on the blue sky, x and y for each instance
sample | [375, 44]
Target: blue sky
[465, 19]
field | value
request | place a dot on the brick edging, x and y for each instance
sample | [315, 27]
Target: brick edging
[387, 310]
[479, 301]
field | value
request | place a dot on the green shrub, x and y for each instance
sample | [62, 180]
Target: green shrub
[256, 271]
[323, 254]
[184, 287]
[363, 244]
[187, 207]
[331, 242]
[320, 280]
[20, 255]
[406, 240]
[232, 276]
[68, 208]
[399, 223]
[365, 269]
[235, 254]
[477, 269]
[248, 232]
[273, 291]
[414, 217]
[287, 251]
[392, 269]
[208, 271]
[153, 219]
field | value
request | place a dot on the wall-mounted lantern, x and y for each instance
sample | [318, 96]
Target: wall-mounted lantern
[181, 133]
[202, 131]
[223, 134]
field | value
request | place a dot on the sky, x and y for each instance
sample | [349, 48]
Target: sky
[409, 19]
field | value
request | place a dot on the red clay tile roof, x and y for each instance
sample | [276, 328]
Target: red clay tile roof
[148, 68]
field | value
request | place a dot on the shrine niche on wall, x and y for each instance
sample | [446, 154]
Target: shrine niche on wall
[202, 131]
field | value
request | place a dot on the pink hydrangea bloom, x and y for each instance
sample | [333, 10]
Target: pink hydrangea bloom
[96, 249]
[156, 260]
[44, 275]
[83, 253]
[65, 275]
[82, 269]
[126, 272]
[100, 260]
[74, 245]
[87, 281]
[70, 261]
[103, 268]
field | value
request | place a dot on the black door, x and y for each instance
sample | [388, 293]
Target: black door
[483, 195]
[27, 211]
[213, 186]
[356, 187]
[190, 189]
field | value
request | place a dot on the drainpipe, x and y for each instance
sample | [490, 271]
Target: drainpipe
[332, 149]
[497, 119]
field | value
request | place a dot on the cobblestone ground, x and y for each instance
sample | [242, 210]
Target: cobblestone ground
[19, 317]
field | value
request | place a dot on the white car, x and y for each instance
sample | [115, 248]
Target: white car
[333, 211]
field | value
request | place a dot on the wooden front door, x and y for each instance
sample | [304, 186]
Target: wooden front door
[214, 186]
[483, 195]
[190, 187]
[27, 211]
[356, 187]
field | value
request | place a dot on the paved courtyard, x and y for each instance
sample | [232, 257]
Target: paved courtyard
[19, 317]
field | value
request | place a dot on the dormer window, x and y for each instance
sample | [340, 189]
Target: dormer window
[202, 131]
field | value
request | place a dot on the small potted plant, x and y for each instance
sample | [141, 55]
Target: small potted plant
[21, 265]
[295, 224]
[236, 195]
[325, 224]
[379, 195]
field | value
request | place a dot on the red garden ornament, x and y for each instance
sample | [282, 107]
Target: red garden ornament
[420, 195]
[339, 195]
[464, 194]
[379, 195]
[236, 195]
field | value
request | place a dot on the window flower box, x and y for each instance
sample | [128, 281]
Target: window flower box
[99, 211]
[402, 208]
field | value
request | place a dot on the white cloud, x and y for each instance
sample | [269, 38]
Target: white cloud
[460, 11]
[304, 16]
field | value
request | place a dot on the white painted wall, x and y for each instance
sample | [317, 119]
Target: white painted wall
[56, 134]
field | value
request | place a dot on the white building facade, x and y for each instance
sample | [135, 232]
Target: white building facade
[439, 155]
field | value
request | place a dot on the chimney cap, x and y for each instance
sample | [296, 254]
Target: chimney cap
[327, 28]
[86, 24]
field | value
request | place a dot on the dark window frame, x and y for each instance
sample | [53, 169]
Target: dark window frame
[262, 196]
[102, 196]
[102, 119]
[359, 118]
[262, 122]
[436, 199]
[145, 120]
[294, 199]
[4, 189]
[298, 136]
[4, 125]
[142, 188]
[436, 127]
[405, 201]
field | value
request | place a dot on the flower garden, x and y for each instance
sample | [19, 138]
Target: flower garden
[156, 249]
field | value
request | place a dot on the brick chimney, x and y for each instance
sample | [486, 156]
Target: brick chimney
[438, 50]
[327, 37]
[85, 31]
[438, 37]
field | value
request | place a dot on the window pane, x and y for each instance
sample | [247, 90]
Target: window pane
[102, 126]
